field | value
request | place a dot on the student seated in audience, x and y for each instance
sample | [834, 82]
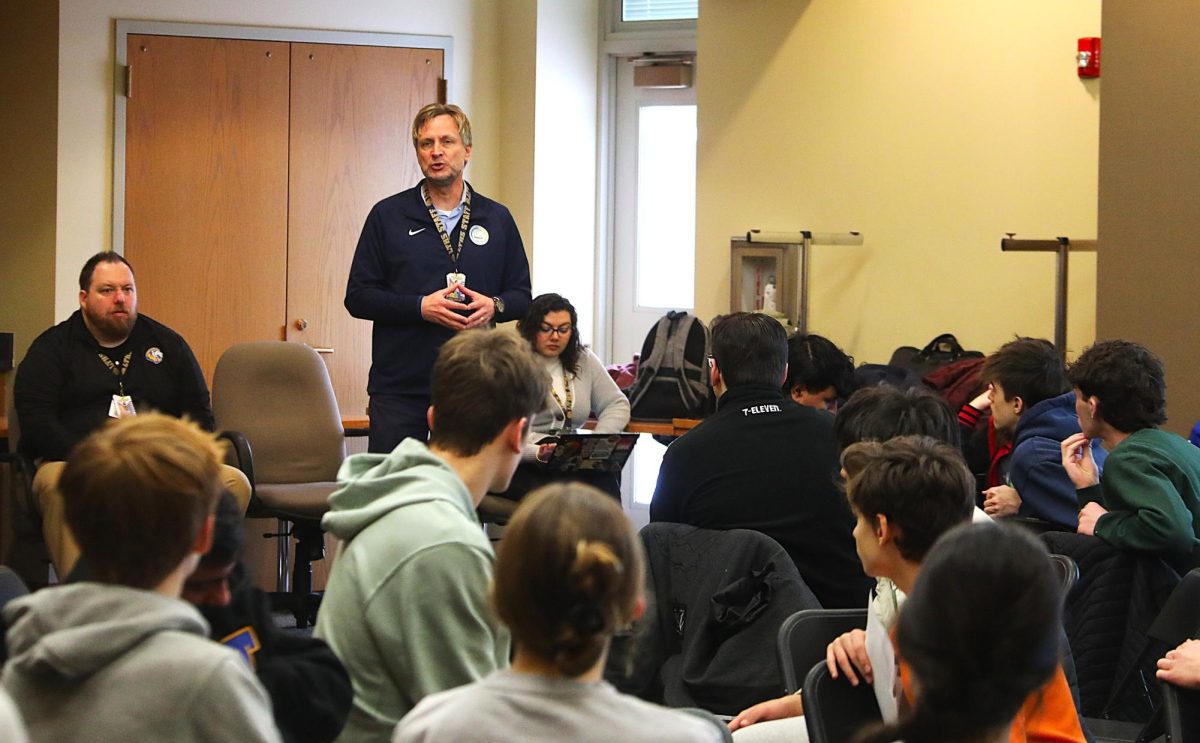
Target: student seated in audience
[884, 412]
[906, 493]
[121, 657]
[762, 462]
[975, 669]
[406, 606]
[105, 361]
[819, 374]
[1149, 497]
[568, 576]
[580, 387]
[1033, 405]
[310, 690]
[1181, 666]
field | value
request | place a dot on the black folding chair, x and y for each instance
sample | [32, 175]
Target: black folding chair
[804, 636]
[834, 710]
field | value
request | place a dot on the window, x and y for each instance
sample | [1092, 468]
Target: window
[666, 211]
[659, 10]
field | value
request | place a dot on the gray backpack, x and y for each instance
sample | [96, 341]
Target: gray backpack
[672, 375]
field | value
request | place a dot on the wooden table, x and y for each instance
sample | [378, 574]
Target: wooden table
[360, 425]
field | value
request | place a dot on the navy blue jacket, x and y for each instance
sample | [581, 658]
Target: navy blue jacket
[1035, 468]
[400, 259]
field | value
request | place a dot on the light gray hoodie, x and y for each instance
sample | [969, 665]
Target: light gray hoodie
[406, 605]
[97, 662]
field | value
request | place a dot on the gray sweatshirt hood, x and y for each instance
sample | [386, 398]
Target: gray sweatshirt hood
[374, 485]
[71, 632]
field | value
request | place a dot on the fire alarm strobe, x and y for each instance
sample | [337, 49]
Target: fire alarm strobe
[1088, 57]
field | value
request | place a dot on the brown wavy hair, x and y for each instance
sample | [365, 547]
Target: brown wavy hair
[568, 575]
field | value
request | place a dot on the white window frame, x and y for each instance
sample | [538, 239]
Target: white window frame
[616, 29]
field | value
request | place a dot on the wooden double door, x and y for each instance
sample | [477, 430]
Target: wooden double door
[250, 168]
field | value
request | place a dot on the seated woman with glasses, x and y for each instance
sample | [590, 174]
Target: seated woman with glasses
[580, 388]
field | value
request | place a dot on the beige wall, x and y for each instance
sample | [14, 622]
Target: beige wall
[29, 84]
[933, 126]
[1149, 227]
[518, 59]
[86, 61]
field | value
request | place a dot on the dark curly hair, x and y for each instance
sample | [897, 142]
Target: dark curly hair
[1029, 368]
[1128, 381]
[882, 412]
[816, 363]
[543, 305]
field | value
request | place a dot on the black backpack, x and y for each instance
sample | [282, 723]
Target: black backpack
[672, 375]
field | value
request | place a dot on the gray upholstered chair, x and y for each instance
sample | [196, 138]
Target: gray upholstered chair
[274, 400]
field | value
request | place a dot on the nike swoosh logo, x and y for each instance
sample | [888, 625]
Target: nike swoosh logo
[413, 232]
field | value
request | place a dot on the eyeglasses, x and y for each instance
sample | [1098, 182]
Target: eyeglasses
[551, 330]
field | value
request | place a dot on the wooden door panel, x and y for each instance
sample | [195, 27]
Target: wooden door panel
[206, 181]
[352, 109]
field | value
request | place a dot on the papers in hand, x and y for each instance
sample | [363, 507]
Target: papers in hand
[883, 665]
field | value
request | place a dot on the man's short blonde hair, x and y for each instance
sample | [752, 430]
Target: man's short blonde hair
[434, 110]
[136, 493]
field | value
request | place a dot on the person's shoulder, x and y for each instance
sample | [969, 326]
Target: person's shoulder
[403, 202]
[148, 327]
[483, 206]
[668, 725]
[56, 335]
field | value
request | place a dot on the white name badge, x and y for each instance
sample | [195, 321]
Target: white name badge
[478, 234]
[460, 279]
[121, 407]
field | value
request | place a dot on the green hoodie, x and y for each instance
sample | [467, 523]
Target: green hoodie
[406, 608]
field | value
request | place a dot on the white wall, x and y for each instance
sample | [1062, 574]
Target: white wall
[86, 59]
[564, 185]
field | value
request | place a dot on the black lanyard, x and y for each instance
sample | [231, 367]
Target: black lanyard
[118, 371]
[462, 225]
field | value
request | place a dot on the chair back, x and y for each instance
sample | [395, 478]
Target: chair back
[1181, 713]
[834, 711]
[1067, 572]
[804, 636]
[716, 600]
[11, 586]
[278, 395]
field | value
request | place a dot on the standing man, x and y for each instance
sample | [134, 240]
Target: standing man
[431, 261]
[105, 361]
[1149, 497]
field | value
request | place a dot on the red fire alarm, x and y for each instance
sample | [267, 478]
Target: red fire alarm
[1088, 57]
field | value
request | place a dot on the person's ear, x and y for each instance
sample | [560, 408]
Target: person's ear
[639, 609]
[204, 538]
[1093, 404]
[714, 373]
[429, 417]
[784, 377]
[514, 434]
[82, 297]
[884, 530]
[1018, 405]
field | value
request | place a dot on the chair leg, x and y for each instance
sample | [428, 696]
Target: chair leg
[283, 579]
[310, 546]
